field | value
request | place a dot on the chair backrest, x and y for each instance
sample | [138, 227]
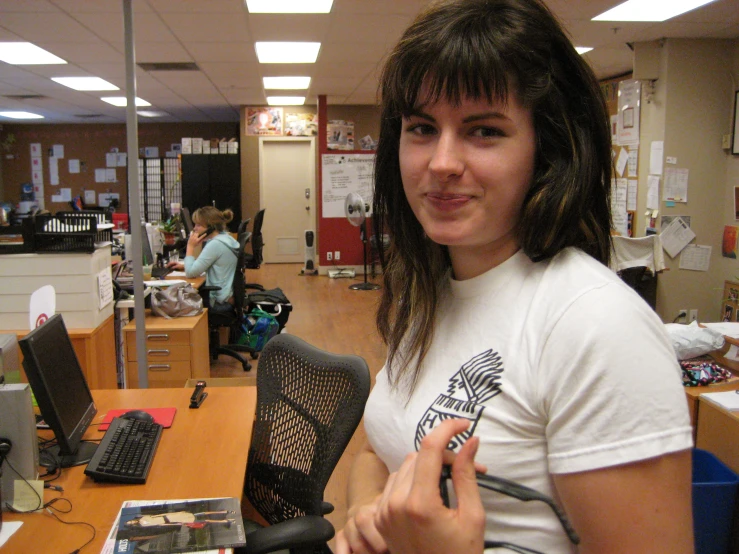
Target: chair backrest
[309, 403]
[257, 242]
[239, 282]
[243, 225]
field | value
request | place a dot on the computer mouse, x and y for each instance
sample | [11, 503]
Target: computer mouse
[139, 415]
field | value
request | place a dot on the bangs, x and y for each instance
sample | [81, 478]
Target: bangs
[452, 61]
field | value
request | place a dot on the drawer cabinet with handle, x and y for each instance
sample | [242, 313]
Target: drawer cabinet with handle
[176, 350]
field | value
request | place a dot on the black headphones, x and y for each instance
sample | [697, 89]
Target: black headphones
[5, 446]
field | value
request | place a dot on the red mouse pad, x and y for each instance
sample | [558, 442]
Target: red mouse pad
[162, 416]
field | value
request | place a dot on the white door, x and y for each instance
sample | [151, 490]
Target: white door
[287, 187]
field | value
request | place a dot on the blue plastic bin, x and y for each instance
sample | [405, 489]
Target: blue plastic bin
[714, 494]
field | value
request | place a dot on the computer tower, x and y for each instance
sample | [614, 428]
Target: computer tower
[18, 426]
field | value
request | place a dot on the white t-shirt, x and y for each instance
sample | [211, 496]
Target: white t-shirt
[561, 368]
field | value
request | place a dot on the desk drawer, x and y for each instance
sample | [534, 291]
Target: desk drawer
[161, 374]
[175, 345]
[160, 352]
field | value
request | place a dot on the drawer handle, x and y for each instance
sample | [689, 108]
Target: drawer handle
[160, 367]
[157, 337]
[163, 352]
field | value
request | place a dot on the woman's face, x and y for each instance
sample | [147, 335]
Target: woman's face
[466, 171]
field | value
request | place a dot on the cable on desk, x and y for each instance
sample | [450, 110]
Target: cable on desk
[49, 506]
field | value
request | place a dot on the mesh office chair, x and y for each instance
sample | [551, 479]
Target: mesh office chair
[228, 315]
[309, 403]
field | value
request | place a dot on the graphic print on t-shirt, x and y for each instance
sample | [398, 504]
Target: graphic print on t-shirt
[476, 382]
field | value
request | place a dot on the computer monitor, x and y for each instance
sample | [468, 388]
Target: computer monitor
[61, 390]
[186, 221]
[146, 253]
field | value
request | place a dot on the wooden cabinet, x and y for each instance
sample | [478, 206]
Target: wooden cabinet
[176, 350]
[95, 349]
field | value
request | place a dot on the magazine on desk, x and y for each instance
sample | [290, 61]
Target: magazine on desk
[205, 525]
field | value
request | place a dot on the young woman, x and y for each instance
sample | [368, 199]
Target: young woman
[510, 342]
[218, 257]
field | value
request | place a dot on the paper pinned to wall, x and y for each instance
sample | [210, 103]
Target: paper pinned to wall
[100, 175]
[676, 185]
[74, 166]
[656, 153]
[676, 236]
[54, 171]
[653, 192]
[695, 257]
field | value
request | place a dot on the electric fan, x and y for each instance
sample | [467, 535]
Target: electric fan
[356, 212]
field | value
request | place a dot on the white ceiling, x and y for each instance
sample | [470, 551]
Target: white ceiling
[219, 36]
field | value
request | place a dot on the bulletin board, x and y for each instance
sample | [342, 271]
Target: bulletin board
[342, 174]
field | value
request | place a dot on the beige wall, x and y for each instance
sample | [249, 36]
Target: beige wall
[366, 122]
[691, 109]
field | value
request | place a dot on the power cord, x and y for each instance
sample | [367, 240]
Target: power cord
[5, 446]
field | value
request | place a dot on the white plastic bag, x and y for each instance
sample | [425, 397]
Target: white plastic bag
[691, 341]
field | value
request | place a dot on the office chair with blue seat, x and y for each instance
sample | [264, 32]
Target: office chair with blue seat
[309, 403]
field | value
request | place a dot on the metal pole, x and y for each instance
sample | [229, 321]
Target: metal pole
[134, 203]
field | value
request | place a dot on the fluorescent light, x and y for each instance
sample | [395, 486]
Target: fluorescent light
[151, 113]
[286, 83]
[287, 52]
[85, 83]
[289, 6]
[286, 100]
[25, 53]
[21, 115]
[121, 101]
[582, 49]
[649, 10]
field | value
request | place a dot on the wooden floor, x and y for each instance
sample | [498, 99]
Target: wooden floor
[329, 315]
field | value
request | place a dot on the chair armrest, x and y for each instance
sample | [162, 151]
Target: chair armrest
[300, 532]
[205, 291]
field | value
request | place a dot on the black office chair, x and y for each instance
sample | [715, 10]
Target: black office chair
[230, 316]
[309, 403]
[242, 226]
[254, 259]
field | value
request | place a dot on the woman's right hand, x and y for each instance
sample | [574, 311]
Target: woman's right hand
[359, 535]
[176, 265]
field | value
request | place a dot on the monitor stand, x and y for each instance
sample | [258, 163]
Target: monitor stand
[84, 453]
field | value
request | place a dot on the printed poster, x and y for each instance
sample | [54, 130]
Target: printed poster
[263, 121]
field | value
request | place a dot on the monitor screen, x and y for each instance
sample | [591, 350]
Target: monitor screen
[146, 253]
[186, 221]
[60, 388]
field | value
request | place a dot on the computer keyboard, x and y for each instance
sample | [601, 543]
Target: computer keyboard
[126, 452]
[160, 272]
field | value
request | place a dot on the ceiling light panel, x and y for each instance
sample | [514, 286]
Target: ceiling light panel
[286, 83]
[85, 83]
[25, 53]
[122, 102]
[287, 52]
[289, 6]
[21, 115]
[286, 100]
[650, 10]
[582, 49]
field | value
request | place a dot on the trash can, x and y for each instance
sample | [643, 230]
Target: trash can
[714, 494]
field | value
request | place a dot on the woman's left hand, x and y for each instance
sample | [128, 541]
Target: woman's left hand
[411, 515]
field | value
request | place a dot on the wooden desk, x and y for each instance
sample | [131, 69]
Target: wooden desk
[203, 454]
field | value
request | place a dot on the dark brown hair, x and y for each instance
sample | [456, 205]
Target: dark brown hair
[488, 49]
